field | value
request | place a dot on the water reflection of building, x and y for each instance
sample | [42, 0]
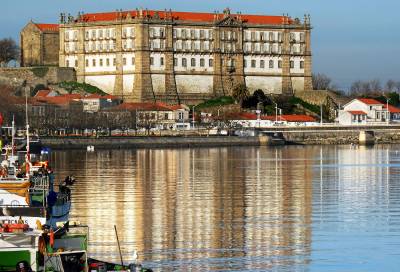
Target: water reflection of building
[198, 207]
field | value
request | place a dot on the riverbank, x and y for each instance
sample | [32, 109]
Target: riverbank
[157, 142]
[300, 137]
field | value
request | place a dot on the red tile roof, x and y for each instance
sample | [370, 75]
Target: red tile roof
[291, 118]
[59, 100]
[93, 96]
[370, 101]
[392, 109]
[47, 27]
[42, 93]
[188, 16]
[144, 107]
[287, 118]
[357, 113]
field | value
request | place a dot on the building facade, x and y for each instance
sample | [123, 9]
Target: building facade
[183, 57]
[367, 110]
[39, 45]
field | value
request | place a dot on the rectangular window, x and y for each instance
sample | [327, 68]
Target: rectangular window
[151, 61]
[201, 33]
[108, 62]
[175, 62]
[133, 61]
[174, 33]
[201, 62]
[94, 62]
[101, 62]
[301, 64]
[210, 63]
[124, 61]
[271, 64]
[244, 63]
[87, 63]
[193, 62]
[184, 62]
[114, 62]
[291, 64]
[262, 65]
[253, 63]
[162, 61]
[279, 64]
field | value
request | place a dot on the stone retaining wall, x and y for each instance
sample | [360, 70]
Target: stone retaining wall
[38, 75]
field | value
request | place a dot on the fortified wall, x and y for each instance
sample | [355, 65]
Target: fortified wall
[33, 76]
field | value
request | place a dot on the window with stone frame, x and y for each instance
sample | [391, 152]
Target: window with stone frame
[202, 62]
[184, 62]
[301, 64]
[253, 63]
[94, 62]
[162, 61]
[262, 64]
[133, 61]
[93, 34]
[175, 62]
[292, 64]
[101, 33]
[245, 63]
[253, 35]
[279, 64]
[114, 61]
[87, 63]
[151, 61]
[107, 61]
[107, 33]
[86, 35]
[193, 62]
[101, 62]
[210, 62]
[201, 33]
[192, 34]
[271, 64]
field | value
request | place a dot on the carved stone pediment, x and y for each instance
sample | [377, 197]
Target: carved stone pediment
[229, 21]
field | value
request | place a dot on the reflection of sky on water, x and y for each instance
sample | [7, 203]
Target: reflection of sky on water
[294, 208]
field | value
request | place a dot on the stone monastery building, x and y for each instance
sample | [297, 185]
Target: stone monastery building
[146, 55]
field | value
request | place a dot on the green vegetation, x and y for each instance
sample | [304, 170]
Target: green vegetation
[40, 71]
[297, 101]
[220, 101]
[72, 86]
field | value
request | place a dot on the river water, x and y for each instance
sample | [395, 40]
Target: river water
[292, 208]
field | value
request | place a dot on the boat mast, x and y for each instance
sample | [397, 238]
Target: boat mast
[27, 131]
[12, 137]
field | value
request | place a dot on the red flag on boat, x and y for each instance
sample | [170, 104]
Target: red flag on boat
[1, 119]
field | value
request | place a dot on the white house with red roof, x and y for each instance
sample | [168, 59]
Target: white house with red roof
[367, 110]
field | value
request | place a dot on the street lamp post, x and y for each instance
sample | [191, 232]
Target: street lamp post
[276, 112]
[388, 111]
[193, 115]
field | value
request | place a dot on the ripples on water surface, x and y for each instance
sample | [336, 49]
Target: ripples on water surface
[313, 208]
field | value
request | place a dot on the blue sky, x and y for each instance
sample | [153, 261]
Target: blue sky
[351, 40]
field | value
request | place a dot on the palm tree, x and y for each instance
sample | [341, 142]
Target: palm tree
[240, 93]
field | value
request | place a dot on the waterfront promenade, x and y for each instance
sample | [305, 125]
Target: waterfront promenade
[325, 134]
